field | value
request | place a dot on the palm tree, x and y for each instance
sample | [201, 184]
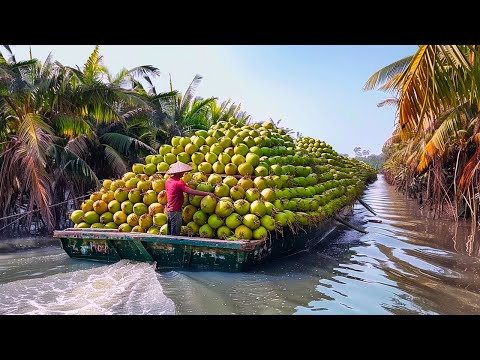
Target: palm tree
[151, 127]
[438, 92]
[26, 88]
[62, 128]
[189, 113]
[225, 111]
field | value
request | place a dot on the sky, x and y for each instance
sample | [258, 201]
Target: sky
[316, 90]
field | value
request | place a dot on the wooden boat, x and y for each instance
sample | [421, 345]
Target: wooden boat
[189, 253]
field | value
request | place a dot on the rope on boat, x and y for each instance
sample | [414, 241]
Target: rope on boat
[340, 220]
[22, 215]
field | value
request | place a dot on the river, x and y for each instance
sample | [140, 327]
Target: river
[409, 263]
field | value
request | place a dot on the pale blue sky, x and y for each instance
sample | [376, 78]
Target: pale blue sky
[314, 89]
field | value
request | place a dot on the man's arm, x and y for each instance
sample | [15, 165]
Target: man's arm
[197, 192]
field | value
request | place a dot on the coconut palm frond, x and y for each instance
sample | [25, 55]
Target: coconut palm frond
[11, 58]
[80, 146]
[166, 101]
[148, 138]
[32, 181]
[215, 112]
[232, 111]
[169, 95]
[76, 72]
[429, 86]
[36, 182]
[145, 71]
[471, 167]
[34, 133]
[437, 137]
[390, 102]
[105, 113]
[138, 126]
[189, 94]
[395, 138]
[72, 164]
[93, 67]
[115, 160]
[78, 168]
[194, 123]
[72, 126]
[201, 105]
[152, 90]
[130, 98]
[457, 56]
[138, 87]
[383, 75]
[243, 118]
[120, 78]
[46, 67]
[101, 101]
[220, 112]
[123, 143]
[131, 114]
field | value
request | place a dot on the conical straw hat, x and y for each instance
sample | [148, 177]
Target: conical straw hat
[179, 167]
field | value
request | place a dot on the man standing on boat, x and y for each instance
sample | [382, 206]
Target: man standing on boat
[175, 187]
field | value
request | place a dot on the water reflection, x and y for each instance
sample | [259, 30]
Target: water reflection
[409, 263]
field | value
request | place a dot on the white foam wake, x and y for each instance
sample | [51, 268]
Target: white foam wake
[125, 287]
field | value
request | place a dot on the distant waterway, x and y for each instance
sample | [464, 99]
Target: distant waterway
[409, 263]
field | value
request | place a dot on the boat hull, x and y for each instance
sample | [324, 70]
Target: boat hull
[189, 253]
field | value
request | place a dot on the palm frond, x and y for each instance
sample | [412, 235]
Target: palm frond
[102, 101]
[145, 71]
[36, 182]
[80, 146]
[442, 136]
[201, 105]
[152, 91]
[148, 138]
[383, 75]
[165, 101]
[34, 133]
[46, 67]
[78, 168]
[115, 160]
[72, 164]
[232, 111]
[189, 94]
[242, 117]
[93, 67]
[123, 143]
[71, 126]
[133, 113]
[120, 78]
[471, 167]
[76, 72]
[390, 101]
[430, 85]
[169, 95]
[11, 58]
[138, 127]
[24, 175]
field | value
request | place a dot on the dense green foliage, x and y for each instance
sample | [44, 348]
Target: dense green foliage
[63, 128]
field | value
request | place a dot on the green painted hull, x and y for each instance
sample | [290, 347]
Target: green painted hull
[188, 253]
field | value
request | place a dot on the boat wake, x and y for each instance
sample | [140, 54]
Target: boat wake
[125, 287]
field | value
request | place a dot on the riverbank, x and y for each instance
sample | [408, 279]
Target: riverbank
[13, 244]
